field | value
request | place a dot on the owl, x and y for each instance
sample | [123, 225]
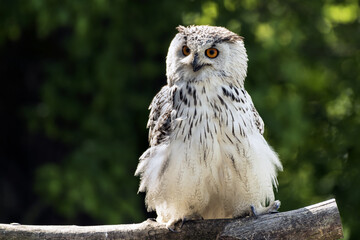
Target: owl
[207, 157]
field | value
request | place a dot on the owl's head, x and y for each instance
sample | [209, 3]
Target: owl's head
[198, 53]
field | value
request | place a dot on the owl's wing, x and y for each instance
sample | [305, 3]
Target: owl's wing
[257, 119]
[259, 123]
[159, 123]
[153, 161]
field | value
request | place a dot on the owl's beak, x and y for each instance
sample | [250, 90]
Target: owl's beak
[195, 63]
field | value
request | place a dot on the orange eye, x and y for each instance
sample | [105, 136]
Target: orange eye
[186, 50]
[211, 52]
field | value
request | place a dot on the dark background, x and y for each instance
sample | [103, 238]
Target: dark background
[77, 78]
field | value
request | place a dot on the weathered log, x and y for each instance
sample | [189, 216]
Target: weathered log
[319, 221]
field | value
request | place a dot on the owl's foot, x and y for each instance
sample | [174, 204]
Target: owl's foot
[171, 225]
[272, 208]
[275, 207]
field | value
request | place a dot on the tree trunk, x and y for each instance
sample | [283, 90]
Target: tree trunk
[319, 221]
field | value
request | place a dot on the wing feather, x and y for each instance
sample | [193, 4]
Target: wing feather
[159, 123]
[258, 120]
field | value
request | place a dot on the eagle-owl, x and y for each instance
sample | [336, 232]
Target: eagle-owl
[207, 156]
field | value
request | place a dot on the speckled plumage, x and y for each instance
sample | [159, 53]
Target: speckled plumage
[207, 156]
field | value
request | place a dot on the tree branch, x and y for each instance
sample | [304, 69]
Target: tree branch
[319, 221]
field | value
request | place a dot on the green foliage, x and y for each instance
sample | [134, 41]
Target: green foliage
[303, 76]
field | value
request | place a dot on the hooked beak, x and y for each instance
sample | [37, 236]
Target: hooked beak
[195, 63]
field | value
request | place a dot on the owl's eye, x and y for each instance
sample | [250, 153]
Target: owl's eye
[212, 52]
[186, 50]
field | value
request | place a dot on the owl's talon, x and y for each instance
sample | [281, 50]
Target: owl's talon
[253, 211]
[183, 221]
[152, 219]
[172, 230]
[171, 225]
